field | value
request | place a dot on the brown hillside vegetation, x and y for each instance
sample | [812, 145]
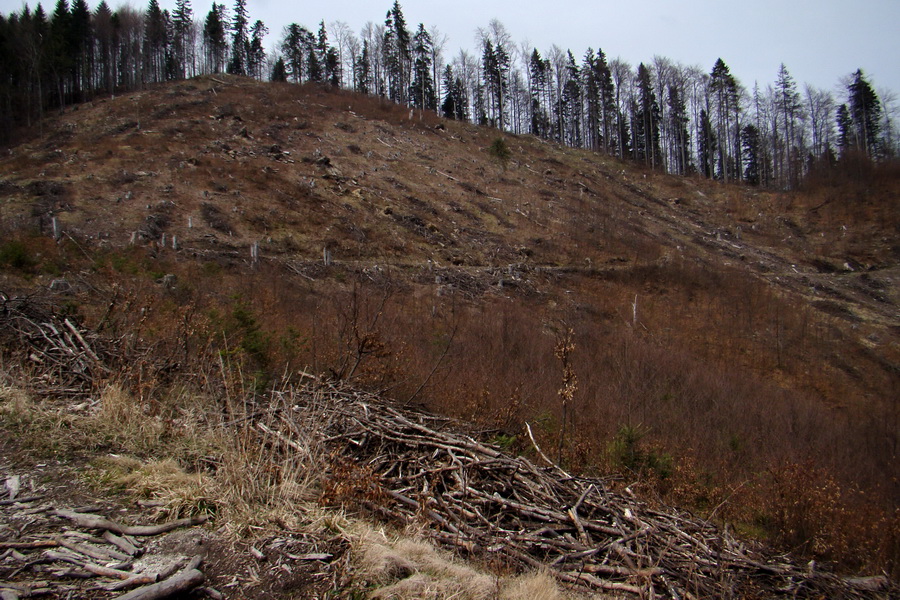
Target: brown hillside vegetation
[730, 350]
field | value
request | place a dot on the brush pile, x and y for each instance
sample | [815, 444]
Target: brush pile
[411, 467]
[70, 358]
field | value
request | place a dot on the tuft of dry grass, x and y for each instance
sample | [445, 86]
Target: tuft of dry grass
[403, 567]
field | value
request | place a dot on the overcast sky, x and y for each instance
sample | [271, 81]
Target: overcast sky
[819, 41]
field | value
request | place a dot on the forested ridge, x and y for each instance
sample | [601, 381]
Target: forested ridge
[665, 115]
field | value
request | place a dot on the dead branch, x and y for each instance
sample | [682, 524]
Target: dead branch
[182, 582]
[95, 522]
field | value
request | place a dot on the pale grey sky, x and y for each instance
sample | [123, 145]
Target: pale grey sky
[819, 41]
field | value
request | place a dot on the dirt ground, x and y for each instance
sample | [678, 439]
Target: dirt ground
[290, 565]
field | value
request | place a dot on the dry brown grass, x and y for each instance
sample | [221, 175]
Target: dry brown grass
[401, 567]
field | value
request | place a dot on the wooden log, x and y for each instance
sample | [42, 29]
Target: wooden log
[30, 545]
[182, 582]
[622, 571]
[95, 522]
[89, 567]
[122, 544]
[93, 551]
[23, 500]
[139, 579]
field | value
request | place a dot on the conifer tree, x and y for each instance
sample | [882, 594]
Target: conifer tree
[607, 92]
[240, 39]
[183, 38]
[789, 107]
[571, 106]
[726, 110]
[279, 70]
[256, 54]
[363, 70]
[591, 100]
[397, 54]
[421, 91]
[750, 140]
[540, 95]
[106, 49]
[214, 32]
[647, 149]
[61, 60]
[155, 43]
[292, 48]
[865, 115]
[845, 129]
[706, 146]
[82, 44]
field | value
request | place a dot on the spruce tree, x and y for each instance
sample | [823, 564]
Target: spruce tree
[681, 139]
[540, 93]
[214, 39]
[865, 113]
[82, 44]
[292, 48]
[363, 70]
[706, 146]
[240, 39]
[647, 123]
[421, 90]
[724, 88]
[106, 48]
[61, 60]
[155, 43]
[789, 107]
[571, 129]
[607, 92]
[845, 129]
[279, 70]
[256, 54]
[182, 38]
[750, 141]
[397, 54]
[591, 100]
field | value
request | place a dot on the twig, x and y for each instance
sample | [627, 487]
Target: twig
[541, 452]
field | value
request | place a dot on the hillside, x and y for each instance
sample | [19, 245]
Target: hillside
[734, 350]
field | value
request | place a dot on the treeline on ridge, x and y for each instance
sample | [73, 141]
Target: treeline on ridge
[665, 115]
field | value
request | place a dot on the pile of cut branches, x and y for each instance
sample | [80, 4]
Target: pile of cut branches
[70, 358]
[411, 467]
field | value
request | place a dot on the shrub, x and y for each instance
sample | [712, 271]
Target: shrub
[627, 452]
[499, 150]
[16, 255]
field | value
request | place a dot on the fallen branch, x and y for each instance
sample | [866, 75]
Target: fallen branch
[95, 522]
[23, 500]
[29, 545]
[183, 582]
[147, 578]
[122, 544]
[92, 551]
[90, 567]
